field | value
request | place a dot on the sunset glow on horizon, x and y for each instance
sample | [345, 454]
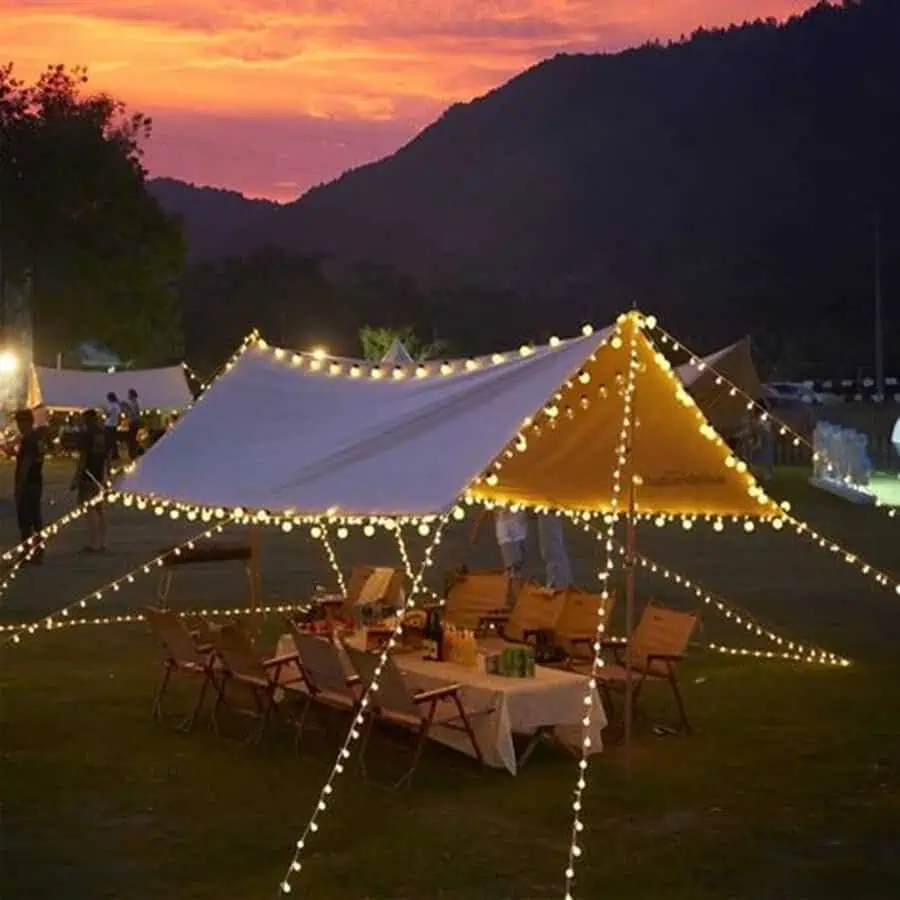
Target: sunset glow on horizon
[269, 97]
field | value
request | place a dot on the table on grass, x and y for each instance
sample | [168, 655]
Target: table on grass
[551, 702]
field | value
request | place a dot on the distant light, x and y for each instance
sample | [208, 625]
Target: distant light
[111, 370]
[319, 352]
[9, 362]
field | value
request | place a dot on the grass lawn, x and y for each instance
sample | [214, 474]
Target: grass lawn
[789, 788]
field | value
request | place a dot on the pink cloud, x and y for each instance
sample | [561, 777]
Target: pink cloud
[321, 84]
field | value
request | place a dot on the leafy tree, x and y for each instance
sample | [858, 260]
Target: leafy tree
[78, 227]
[377, 340]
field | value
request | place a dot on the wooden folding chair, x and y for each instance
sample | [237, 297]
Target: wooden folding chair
[416, 711]
[533, 617]
[243, 667]
[330, 685]
[476, 597]
[658, 644]
[576, 627]
[359, 588]
[184, 656]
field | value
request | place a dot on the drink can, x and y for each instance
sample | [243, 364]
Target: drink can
[529, 662]
[506, 662]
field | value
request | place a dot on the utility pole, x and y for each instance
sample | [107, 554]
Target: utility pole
[879, 324]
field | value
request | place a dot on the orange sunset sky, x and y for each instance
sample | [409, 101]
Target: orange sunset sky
[271, 96]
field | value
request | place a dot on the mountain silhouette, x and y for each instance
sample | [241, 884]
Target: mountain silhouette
[731, 182]
[208, 214]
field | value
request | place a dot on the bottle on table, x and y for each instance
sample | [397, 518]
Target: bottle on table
[434, 636]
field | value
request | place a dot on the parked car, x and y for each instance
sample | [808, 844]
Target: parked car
[791, 392]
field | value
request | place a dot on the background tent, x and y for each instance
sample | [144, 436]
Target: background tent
[72, 389]
[321, 438]
[397, 355]
[725, 410]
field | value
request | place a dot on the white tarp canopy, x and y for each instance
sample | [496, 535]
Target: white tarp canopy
[72, 389]
[397, 355]
[357, 446]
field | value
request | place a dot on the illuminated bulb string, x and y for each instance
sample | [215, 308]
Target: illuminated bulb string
[27, 549]
[788, 649]
[754, 406]
[622, 458]
[51, 624]
[320, 532]
[795, 650]
[354, 732]
[408, 569]
[852, 559]
[47, 623]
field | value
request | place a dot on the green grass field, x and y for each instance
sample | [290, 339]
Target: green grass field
[789, 788]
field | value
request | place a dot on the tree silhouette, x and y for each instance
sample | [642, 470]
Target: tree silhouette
[96, 254]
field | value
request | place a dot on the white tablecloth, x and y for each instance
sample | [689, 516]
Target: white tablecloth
[502, 706]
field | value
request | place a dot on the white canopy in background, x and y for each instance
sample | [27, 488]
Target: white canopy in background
[72, 389]
[357, 446]
[397, 355]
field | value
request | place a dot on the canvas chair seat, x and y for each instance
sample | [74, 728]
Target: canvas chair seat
[394, 702]
[577, 625]
[473, 597]
[537, 610]
[246, 668]
[184, 655]
[325, 673]
[658, 644]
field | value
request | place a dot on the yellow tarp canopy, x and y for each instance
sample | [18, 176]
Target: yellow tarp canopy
[568, 460]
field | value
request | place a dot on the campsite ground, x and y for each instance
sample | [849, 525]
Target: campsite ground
[790, 786]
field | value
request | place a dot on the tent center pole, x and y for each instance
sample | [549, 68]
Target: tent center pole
[630, 541]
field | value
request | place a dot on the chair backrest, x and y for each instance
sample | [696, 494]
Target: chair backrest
[580, 614]
[375, 584]
[472, 595]
[323, 668]
[236, 649]
[393, 694]
[660, 630]
[537, 609]
[170, 629]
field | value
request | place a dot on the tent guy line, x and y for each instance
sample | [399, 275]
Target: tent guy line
[623, 457]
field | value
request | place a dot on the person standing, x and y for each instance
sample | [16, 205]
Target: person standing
[133, 413]
[552, 542]
[512, 535]
[90, 476]
[114, 409]
[29, 486]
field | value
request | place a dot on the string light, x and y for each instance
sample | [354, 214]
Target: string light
[354, 732]
[322, 534]
[47, 622]
[624, 454]
[25, 551]
[763, 415]
[52, 624]
[851, 559]
[788, 649]
[408, 569]
[321, 362]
